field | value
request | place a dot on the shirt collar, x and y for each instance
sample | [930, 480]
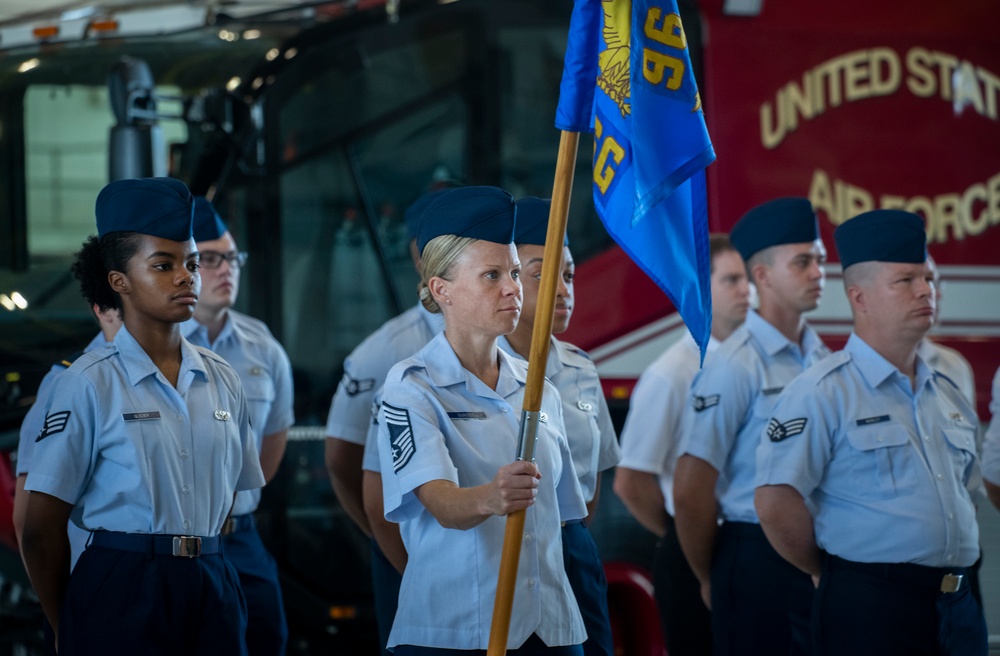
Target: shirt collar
[197, 333]
[876, 369]
[774, 342]
[444, 369]
[434, 321]
[138, 365]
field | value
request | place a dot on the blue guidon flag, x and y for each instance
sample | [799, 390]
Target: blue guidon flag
[627, 78]
[397, 420]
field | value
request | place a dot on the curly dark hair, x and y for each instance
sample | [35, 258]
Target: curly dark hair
[96, 258]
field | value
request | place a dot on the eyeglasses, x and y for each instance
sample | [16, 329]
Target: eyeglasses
[213, 259]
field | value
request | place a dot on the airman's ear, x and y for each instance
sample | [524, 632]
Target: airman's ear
[439, 290]
[118, 282]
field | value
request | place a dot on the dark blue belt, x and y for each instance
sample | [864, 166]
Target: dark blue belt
[575, 521]
[745, 530]
[185, 546]
[237, 523]
[937, 579]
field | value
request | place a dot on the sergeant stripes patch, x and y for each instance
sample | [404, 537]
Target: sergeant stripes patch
[778, 431]
[55, 422]
[397, 420]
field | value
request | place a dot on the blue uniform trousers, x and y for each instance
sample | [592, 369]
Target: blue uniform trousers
[533, 646]
[869, 609]
[267, 631]
[385, 588]
[586, 577]
[686, 622]
[125, 601]
[761, 604]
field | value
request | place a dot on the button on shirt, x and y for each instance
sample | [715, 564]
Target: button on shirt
[592, 438]
[365, 369]
[652, 433]
[991, 442]
[439, 422]
[731, 402]
[134, 454]
[887, 467]
[265, 372]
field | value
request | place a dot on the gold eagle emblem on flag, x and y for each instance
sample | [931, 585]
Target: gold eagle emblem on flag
[614, 61]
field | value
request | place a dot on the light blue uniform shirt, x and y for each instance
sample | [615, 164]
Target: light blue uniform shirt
[365, 369]
[592, 438]
[652, 434]
[439, 422]
[991, 442]
[32, 425]
[888, 469]
[731, 401]
[266, 373]
[134, 454]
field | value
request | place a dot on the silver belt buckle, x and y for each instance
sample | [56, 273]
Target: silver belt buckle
[187, 546]
[951, 582]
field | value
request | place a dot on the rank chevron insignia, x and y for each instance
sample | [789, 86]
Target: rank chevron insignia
[778, 431]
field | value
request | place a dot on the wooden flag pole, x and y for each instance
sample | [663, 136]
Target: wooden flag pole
[537, 358]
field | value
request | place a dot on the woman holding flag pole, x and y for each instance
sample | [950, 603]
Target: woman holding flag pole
[448, 436]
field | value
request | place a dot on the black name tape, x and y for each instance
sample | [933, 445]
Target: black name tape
[872, 420]
[140, 416]
[467, 415]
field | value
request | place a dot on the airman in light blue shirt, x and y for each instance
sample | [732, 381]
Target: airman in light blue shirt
[438, 422]
[759, 603]
[131, 452]
[266, 373]
[867, 471]
[731, 402]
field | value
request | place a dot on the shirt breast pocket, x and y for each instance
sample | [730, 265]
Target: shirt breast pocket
[961, 441]
[884, 462]
[260, 395]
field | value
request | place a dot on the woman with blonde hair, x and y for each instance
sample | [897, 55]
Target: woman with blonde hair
[449, 425]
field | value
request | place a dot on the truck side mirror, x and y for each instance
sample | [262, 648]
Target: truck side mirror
[135, 148]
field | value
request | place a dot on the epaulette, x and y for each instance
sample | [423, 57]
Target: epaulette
[938, 374]
[573, 348]
[70, 360]
[826, 366]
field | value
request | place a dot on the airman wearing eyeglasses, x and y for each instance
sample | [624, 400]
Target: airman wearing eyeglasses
[266, 374]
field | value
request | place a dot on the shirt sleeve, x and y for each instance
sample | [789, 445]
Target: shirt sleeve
[412, 449]
[569, 494]
[797, 443]
[719, 404]
[651, 436]
[350, 411]
[34, 420]
[282, 414]
[610, 452]
[370, 459]
[991, 441]
[64, 449]
[251, 475]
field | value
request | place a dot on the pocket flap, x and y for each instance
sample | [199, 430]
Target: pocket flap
[878, 436]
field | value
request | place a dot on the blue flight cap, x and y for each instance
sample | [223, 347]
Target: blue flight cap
[881, 236]
[208, 225]
[416, 210]
[776, 222]
[485, 213]
[533, 221]
[160, 207]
